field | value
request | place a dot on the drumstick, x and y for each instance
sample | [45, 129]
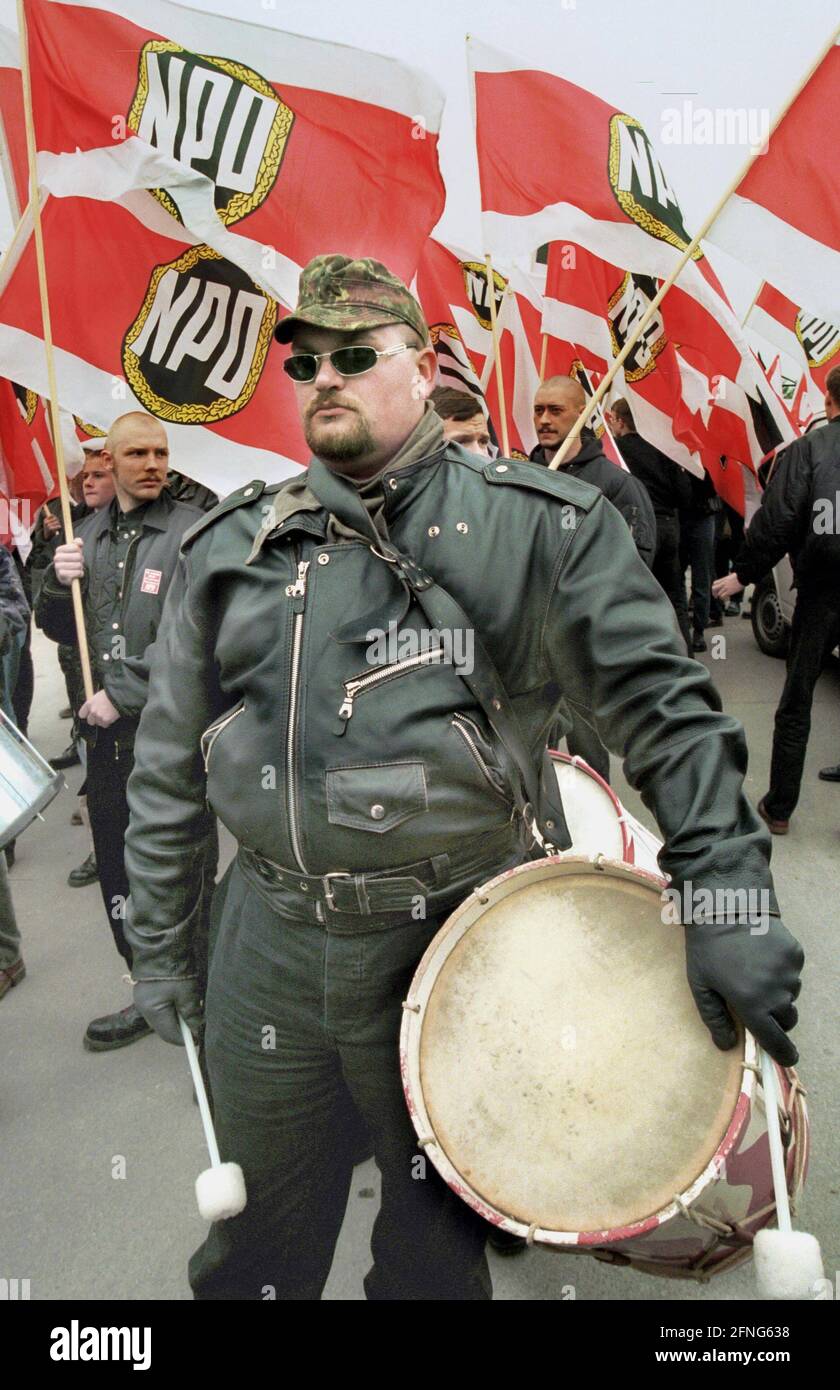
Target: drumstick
[220, 1189]
[788, 1263]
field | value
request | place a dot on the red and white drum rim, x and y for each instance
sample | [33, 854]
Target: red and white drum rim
[627, 844]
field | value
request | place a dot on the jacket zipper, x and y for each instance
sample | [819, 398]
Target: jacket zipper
[296, 592]
[464, 727]
[359, 685]
[208, 738]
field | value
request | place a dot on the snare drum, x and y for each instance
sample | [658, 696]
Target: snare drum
[561, 1080]
[598, 822]
[27, 782]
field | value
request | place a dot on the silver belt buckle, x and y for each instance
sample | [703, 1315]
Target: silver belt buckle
[328, 893]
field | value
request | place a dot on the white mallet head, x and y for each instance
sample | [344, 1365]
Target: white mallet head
[788, 1264]
[221, 1191]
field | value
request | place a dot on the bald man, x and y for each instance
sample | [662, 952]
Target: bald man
[557, 405]
[125, 554]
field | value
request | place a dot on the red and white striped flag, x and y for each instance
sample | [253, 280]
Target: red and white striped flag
[12, 128]
[274, 149]
[785, 214]
[165, 326]
[452, 287]
[557, 163]
[810, 340]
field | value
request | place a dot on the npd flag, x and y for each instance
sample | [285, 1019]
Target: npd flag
[784, 216]
[557, 163]
[269, 147]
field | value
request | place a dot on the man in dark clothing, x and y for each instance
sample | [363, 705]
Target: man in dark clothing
[669, 490]
[381, 806]
[557, 405]
[798, 516]
[130, 552]
[697, 552]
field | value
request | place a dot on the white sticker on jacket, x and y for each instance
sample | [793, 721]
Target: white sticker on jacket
[150, 583]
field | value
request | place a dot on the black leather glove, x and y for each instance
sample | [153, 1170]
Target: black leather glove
[160, 1002]
[753, 972]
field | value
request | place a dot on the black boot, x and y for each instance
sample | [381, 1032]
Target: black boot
[85, 873]
[116, 1030]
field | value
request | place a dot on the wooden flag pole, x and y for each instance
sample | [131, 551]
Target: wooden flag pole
[497, 355]
[753, 303]
[35, 204]
[692, 246]
[543, 355]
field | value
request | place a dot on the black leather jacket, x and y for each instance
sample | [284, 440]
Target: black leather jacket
[626, 492]
[253, 712]
[123, 606]
[799, 515]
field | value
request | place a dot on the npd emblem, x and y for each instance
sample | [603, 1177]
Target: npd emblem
[625, 307]
[476, 285]
[820, 339]
[197, 348]
[641, 189]
[215, 115]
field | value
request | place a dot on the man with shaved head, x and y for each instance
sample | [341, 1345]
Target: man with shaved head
[125, 555]
[557, 405]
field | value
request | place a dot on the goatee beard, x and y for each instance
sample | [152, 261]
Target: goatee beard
[351, 444]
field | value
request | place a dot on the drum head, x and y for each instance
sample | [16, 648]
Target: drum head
[557, 1056]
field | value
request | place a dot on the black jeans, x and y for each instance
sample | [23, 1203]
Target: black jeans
[697, 549]
[815, 631]
[668, 570]
[109, 766]
[299, 1021]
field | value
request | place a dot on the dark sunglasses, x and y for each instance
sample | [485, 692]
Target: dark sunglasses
[347, 361]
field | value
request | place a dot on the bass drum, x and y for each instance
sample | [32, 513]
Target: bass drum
[561, 1080]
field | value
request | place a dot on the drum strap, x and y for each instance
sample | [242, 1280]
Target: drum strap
[537, 796]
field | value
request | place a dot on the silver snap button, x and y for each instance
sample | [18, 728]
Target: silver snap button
[134, 533]
[377, 811]
[323, 559]
[105, 656]
[497, 704]
[434, 530]
[304, 887]
[115, 626]
[392, 483]
[120, 565]
[501, 468]
[247, 492]
[462, 527]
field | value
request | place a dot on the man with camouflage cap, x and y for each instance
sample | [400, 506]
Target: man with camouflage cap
[369, 795]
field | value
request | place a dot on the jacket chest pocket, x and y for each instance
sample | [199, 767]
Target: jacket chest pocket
[376, 796]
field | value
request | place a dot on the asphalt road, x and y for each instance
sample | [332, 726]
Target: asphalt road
[71, 1121]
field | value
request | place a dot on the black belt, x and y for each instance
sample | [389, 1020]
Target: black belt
[391, 890]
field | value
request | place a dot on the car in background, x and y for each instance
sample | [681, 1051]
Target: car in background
[774, 597]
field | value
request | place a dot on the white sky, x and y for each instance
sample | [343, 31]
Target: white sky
[644, 56]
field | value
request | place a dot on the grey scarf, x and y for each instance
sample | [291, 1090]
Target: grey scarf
[425, 439]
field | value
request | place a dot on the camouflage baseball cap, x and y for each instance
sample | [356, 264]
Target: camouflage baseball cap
[337, 292]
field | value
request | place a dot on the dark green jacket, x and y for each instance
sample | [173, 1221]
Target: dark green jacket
[123, 607]
[248, 707]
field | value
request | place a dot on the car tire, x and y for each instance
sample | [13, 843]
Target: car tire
[770, 630]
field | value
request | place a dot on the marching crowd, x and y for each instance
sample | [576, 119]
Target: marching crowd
[133, 515]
